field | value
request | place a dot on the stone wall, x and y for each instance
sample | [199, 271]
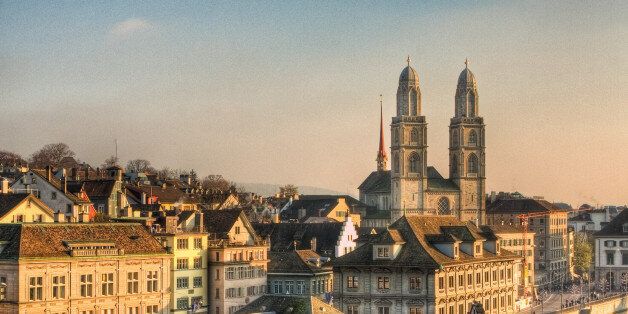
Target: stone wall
[614, 304]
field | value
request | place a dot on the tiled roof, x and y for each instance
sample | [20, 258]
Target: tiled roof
[615, 226]
[418, 251]
[501, 229]
[40, 240]
[295, 262]
[318, 206]
[220, 221]
[582, 217]
[168, 194]
[376, 182]
[288, 304]
[99, 188]
[283, 235]
[56, 183]
[520, 205]
[9, 201]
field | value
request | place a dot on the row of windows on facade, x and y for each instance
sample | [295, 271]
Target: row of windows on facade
[504, 301]
[239, 292]
[299, 287]
[20, 218]
[149, 309]
[241, 255]
[184, 263]
[193, 303]
[242, 272]
[184, 282]
[451, 279]
[355, 309]
[182, 244]
[610, 258]
[383, 282]
[87, 285]
[613, 243]
[414, 163]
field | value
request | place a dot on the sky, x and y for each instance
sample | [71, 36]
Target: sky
[288, 91]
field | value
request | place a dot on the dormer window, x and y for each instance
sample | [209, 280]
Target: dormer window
[456, 249]
[383, 252]
[478, 249]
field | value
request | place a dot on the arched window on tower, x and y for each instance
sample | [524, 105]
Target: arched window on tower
[396, 163]
[414, 135]
[472, 164]
[454, 138]
[396, 135]
[414, 163]
[454, 165]
[413, 102]
[443, 206]
[473, 138]
[471, 102]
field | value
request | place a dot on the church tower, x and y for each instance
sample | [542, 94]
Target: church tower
[466, 149]
[408, 147]
[382, 158]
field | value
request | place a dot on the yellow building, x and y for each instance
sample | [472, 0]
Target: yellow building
[82, 268]
[183, 237]
[23, 207]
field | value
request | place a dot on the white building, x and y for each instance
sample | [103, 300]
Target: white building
[611, 252]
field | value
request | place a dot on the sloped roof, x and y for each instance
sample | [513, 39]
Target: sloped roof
[376, 182]
[288, 304]
[99, 188]
[615, 226]
[57, 184]
[41, 240]
[283, 235]
[295, 262]
[418, 251]
[168, 194]
[220, 221]
[318, 206]
[503, 229]
[520, 205]
[9, 201]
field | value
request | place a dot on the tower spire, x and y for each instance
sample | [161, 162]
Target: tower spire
[466, 63]
[381, 153]
[408, 60]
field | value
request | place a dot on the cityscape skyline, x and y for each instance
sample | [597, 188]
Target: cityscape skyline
[265, 93]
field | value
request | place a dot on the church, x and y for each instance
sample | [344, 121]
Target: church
[411, 187]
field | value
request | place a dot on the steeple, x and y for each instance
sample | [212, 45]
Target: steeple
[382, 158]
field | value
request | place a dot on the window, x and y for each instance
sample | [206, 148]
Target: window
[106, 284]
[289, 287]
[277, 287]
[300, 287]
[443, 206]
[68, 209]
[610, 258]
[454, 165]
[478, 278]
[35, 288]
[182, 263]
[53, 195]
[460, 281]
[152, 309]
[414, 135]
[610, 243]
[198, 262]
[87, 282]
[197, 282]
[383, 282]
[382, 252]
[58, 287]
[352, 309]
[133, 282]
[183, 303]
[217, 256]
[469, 279]
[414, 163]
[416, 310]
[183, 282]
[237, 230]
[625, 228]
[352, 281]
[217, 294]
[473, 138]
[415, 283]
[441, 283]
[396, 162]
[383, 310]
[3, 288]
[450, 282]
[198, 243]
[472, 164]
[152, 284]
[134, 310]
[182, 244]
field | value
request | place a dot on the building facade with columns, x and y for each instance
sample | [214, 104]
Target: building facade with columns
[411, 187]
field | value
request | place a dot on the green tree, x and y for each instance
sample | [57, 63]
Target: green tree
[583, 254]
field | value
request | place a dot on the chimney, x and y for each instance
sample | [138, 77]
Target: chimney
[74, 173]
[84, 217]
[200, 221]
[86, 171]
[4, 186]
[59, 216]
[313, 244]
[65, 184]
[48, 172]
[171, 224]
[301, 213]
[143, 200]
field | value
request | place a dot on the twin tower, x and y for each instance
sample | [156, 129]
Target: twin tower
[415, 187]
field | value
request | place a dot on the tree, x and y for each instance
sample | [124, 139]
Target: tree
[289, 190]
[50, 155]
[110, 162]
[102, 217]
[139, 165]
[10, 158]
[583, 254]
[215, 182]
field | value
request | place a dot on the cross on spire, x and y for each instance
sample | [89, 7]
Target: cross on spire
[408, 60]
[466, 63]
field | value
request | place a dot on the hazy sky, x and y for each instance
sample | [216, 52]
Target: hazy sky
[287, 92]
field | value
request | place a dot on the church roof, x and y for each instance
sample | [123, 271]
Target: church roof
[466, 78]
[436, 182]
[376, 182]
[408, 74]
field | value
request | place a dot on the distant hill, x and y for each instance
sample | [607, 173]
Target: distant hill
[266, 189]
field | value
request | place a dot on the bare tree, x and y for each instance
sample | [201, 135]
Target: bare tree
[289, 190]
[10, 158]
[139, 165]
[50, 155]
[110, 162]
[215, 182]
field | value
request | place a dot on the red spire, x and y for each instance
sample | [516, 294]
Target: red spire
[381, 153]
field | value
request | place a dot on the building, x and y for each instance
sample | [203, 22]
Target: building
[552, 247]
[23, 207]
[611, 252]
[513, 238]
[299, 272]
[82, 268]
[411, 187]
[238, 261]
[330, 239]
[168, 197]
[322, 208]
[54, 193]
[106, 192]
[275, 304]
[427, 264]
[183, 235]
